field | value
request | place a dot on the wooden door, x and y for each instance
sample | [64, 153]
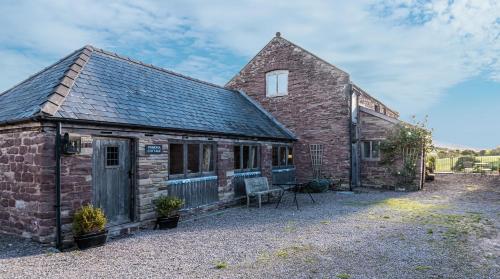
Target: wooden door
[111, 175]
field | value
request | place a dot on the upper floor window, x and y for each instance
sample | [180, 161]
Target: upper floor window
[377, 108]
[385, 111]
[371, 150]
[277, 83]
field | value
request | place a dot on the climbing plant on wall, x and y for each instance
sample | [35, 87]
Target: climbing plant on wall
[403, 148]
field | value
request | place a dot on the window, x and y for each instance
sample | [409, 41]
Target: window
[277, 83]
[112, 156]
[193, 154]
[371, 150]
[191, 159]
[282, 156]
[377, 108]
[246, 157]
[385, 111]
[176, 158]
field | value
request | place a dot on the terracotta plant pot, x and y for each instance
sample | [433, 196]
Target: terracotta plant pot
[167, 222]
[91, 240]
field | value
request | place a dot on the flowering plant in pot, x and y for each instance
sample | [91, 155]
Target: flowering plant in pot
[167, 211]
[89, 225]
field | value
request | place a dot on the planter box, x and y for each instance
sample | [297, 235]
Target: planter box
[91, 240]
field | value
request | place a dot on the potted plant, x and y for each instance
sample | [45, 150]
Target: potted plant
[319, 185]
[167, 211]
[89, 225]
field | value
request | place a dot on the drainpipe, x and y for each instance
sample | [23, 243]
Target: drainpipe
[58, 187]
[349, 88]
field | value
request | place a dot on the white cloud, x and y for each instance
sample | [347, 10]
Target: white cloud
[406, 52]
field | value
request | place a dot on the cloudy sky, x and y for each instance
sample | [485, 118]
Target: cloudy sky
[436, 58]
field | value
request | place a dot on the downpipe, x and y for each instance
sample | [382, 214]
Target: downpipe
[58, 187]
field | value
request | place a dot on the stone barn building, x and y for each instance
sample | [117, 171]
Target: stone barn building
[320, 104]
[99, 128]
[128, 132]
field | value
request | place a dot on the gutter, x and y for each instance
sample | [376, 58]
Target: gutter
[58, 187]
[178, 130]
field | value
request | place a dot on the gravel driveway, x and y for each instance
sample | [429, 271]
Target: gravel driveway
[448, 230]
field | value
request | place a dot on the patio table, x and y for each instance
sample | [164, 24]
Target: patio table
[294, 188]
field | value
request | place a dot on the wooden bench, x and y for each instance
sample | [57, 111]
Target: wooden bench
[256, 187]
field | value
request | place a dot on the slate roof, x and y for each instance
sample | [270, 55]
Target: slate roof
[95, 85]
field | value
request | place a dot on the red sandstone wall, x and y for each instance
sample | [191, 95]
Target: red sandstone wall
[27, 176]
[373, 173]
[316, 108]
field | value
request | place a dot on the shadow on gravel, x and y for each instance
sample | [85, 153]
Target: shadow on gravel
[16, 247]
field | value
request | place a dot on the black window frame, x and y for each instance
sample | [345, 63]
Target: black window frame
[241, 163]
[370, 153]
[287, 153]
[115, 159]
[200, 173]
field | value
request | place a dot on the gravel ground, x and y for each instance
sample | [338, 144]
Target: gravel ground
[448, 230]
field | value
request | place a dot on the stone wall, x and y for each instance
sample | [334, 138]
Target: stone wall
[376, 126]
[27, 177]
[369, 102]
[373, 173]
[316, 108]
[27, 182]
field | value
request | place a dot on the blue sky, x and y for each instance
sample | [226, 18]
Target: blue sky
[439, 58]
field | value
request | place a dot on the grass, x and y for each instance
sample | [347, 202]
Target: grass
[282, 253]
[290, 227]
[408, 205]
[422, 268]
[445, 164]
[343, 276]
[221, 265]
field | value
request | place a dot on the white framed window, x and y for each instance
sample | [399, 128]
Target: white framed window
[277, 83]
[371, 150]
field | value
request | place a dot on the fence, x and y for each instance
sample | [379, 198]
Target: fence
[469, 164]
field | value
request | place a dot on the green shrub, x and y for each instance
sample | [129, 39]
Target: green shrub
[319, 185]
[167, 206]
[88, 219]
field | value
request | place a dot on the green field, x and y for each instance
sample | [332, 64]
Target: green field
[448, 164]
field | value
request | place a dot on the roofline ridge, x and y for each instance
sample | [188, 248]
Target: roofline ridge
[315, 56]
[41, 71]
[380, 115]
[136, 61]
[267, 114]
[293, 44]
[375, 99]
[57, 97]
[249, 61]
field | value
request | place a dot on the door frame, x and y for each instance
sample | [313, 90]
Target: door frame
[133, 150]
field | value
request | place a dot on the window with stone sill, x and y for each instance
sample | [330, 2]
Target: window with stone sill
[246, 157]
[277, 83]
[371, 150]
[191, 159]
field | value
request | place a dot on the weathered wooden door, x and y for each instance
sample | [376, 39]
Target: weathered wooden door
[111, 175]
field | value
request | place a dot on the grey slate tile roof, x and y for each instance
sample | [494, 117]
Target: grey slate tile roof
[114, 89]
[24, 100]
